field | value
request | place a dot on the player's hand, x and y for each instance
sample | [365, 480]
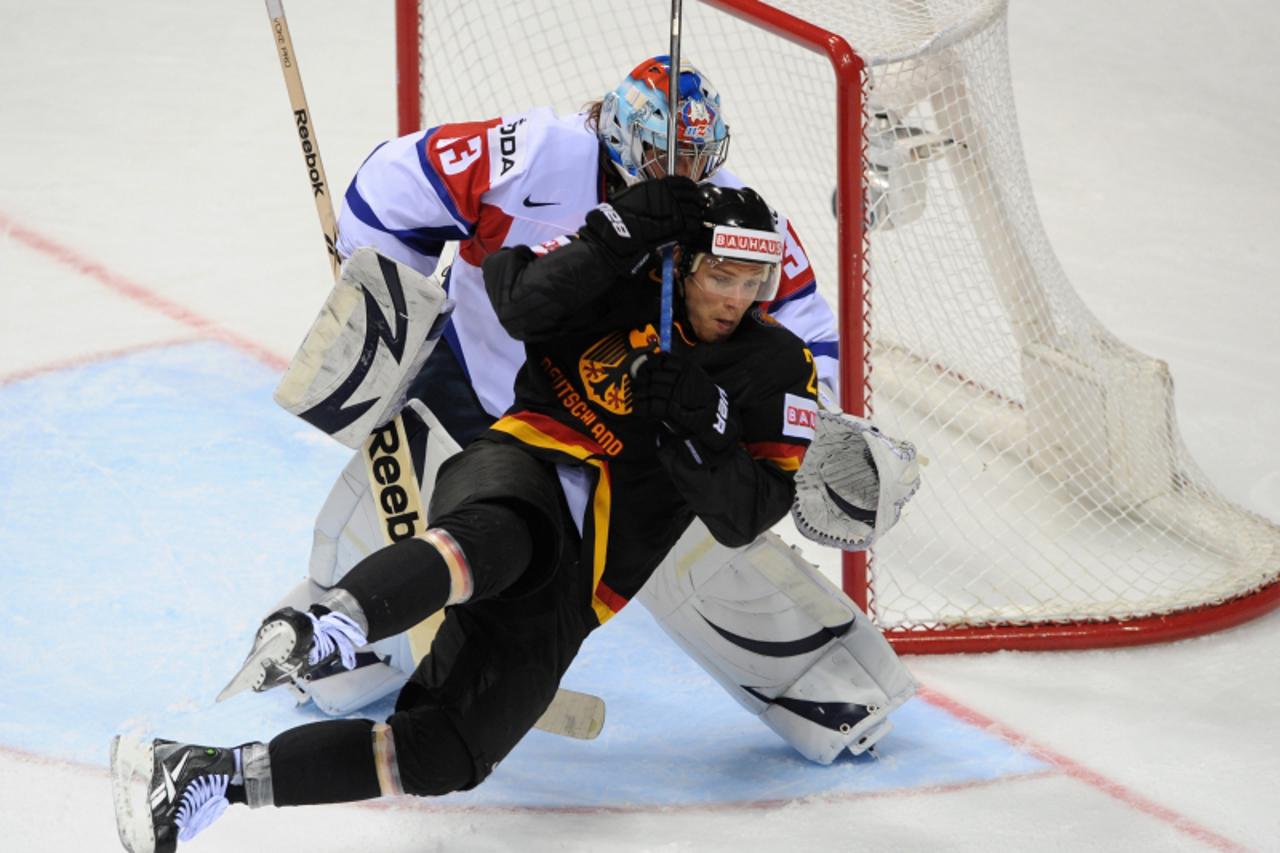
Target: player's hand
[679, 393]
[644, 218]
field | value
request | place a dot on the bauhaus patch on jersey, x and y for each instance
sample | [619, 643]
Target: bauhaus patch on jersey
[799, 417]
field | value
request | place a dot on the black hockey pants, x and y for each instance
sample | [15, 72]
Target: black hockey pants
[497, 660]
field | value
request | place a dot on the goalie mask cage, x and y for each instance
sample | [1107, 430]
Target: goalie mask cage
[1060, 508]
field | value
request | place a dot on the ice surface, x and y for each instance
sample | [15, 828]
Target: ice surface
[159, 253]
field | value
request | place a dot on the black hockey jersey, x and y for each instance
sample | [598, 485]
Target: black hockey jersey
[582, 325]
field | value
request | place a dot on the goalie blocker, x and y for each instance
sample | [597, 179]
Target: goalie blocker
[373, 335]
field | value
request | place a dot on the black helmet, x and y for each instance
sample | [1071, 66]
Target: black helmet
[738, 225]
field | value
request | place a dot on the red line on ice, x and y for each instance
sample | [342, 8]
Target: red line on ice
[135, 292]
[150, 299]
[94, 357]
[1078, 771]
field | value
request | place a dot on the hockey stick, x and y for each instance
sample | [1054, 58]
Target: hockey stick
[306, 131]
[576, 715]
[673, 107]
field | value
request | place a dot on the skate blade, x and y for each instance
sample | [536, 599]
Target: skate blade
[271, 650]
[131, 768]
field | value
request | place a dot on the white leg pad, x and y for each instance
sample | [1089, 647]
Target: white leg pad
[347, 692]
[350, 526]
[784, 641]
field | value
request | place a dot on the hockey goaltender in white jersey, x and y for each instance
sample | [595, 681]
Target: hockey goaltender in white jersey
[528, 179]
[542, 528]
[516, 180]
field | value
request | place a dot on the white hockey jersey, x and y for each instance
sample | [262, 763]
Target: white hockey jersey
[523, 179]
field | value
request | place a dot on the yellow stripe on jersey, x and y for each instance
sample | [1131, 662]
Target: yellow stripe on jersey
[523, 428]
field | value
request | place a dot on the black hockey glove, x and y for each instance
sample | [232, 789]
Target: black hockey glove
[644, 218]
[679, 393]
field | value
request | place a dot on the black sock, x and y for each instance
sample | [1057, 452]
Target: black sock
[326, 762]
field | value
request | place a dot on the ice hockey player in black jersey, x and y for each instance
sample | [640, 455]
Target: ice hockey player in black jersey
[544, 527]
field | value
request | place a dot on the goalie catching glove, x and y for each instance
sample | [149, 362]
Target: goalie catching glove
[853, 483]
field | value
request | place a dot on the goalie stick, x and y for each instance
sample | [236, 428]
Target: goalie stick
[572, 714]
[673, 109]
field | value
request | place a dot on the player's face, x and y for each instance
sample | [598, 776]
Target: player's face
[718, 294]
[697, 162]
[686, 163]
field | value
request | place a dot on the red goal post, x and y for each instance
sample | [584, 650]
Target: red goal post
[1060, 509]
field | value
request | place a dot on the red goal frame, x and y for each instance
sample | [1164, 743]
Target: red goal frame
[850, 73]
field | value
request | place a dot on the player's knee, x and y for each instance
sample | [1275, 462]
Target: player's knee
[431, 756]
[498, 541]
[503, 507]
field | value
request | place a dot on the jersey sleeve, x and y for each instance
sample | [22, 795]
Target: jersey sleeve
[547, 291]
[803, 310]
[415, 193]
[778, 426]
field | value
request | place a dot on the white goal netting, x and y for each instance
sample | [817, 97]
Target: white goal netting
[1059, 490]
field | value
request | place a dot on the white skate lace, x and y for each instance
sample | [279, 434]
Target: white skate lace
[334, 630]
[203, 802]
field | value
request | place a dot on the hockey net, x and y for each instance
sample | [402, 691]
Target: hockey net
[1060, 507]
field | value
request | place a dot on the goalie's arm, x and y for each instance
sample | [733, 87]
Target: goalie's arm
[558, 287]
[398, 204]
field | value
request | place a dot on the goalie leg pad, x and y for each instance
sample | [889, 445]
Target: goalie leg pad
[784, 641]
[352, 523]
[371, 339]
[382, 668]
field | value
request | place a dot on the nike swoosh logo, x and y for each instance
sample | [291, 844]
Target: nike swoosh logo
[529, 203]
[169, 787]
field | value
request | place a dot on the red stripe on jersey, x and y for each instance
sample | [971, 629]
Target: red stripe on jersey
[459, 154]
[609, 598]
[796, 271]
[492, 226]
[785, 455]
[544, 431]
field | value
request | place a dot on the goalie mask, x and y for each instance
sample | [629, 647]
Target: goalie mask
[633, 123]
[737, 226]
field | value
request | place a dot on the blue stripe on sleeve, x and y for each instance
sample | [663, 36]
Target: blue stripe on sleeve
[831, 349]
[807, 290]
[451, 340]
[436, 184]
[427, 241]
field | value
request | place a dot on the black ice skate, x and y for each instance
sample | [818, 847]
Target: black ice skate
[291, 645]
[166, 792]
